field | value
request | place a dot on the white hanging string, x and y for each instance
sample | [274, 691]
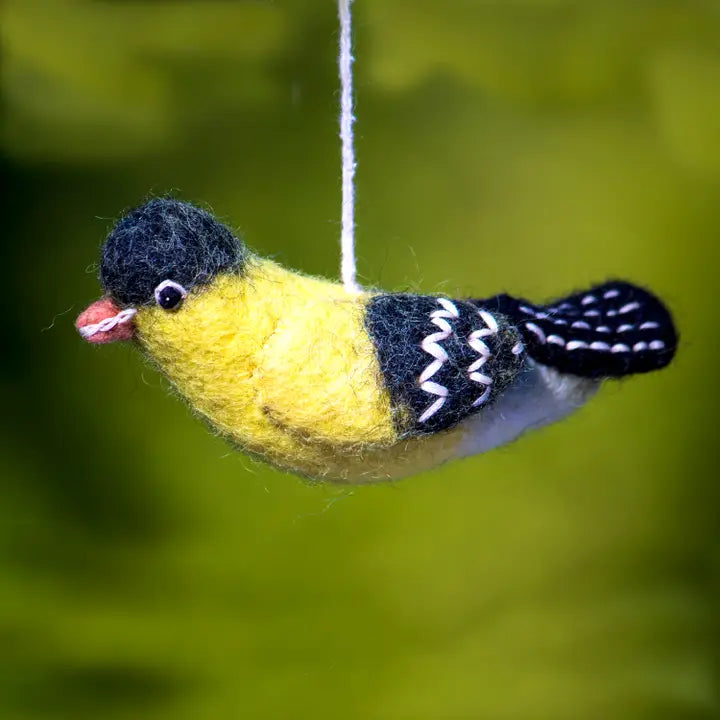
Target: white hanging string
[348, 269]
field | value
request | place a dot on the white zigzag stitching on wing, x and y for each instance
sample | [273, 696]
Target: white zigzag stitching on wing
[477, 343]
[431, 345]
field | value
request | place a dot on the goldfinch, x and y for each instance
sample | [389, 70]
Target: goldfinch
[355, 387]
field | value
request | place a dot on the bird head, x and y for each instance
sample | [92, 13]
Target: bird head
[153, 259]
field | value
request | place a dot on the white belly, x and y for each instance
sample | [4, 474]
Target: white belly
[539, 396]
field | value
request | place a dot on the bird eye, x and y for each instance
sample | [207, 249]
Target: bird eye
[169, 295]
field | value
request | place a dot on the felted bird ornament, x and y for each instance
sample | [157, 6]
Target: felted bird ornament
[355, 387]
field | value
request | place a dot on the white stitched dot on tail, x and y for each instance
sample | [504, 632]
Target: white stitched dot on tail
[345, 60]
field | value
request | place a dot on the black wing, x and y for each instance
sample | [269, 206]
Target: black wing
[441, 359]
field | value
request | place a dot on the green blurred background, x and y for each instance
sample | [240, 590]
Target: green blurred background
[146, 571]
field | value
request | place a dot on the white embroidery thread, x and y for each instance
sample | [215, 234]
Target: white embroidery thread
[431, 345]
[583, 325]
[477, 343]
[597, 344]
[87, 331]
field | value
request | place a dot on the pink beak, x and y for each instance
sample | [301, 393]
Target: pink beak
[105, 322]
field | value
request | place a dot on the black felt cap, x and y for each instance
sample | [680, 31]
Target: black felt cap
[166, 239]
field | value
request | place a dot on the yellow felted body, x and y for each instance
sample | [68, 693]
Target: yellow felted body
[282, 365]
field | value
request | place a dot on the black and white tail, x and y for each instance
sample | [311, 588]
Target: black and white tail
[612, 330]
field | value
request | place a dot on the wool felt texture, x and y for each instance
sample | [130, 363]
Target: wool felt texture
[281, 364]
[104, 313]
[611, 330]
[400, 326]
[165, 239]
[333, 384]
